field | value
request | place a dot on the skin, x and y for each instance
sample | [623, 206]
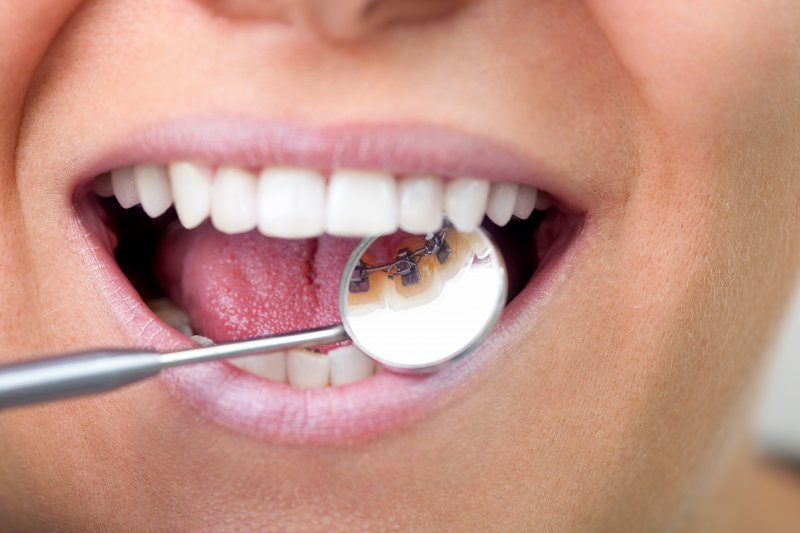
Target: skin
[625, 406]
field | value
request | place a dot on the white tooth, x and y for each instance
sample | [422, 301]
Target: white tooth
[191, 188]
[152, 186]
[349, 364]
[361, 203]
[307, 370]
[233, 200]
[502, 199]
[270, 366]
[123, 186]
[526, 201]
[401, 297]
[240, 362]
[202, 341]
[291, 203]
[374, 298]
[465, 201]
[421, 204]
[544, 201]
[102, 186]
[166, 310]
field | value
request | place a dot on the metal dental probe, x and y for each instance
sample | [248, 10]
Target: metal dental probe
[451, 324]
[66, 376]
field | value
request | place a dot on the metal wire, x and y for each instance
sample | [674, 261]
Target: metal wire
[405, 263]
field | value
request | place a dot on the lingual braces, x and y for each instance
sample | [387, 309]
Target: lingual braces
[405, 264]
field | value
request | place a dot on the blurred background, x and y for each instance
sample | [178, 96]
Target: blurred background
[778, 423]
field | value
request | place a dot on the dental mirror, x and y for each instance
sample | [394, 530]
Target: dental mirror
[414, 303]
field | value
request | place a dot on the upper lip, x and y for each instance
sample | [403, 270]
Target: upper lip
[398, 148]
[326, 415]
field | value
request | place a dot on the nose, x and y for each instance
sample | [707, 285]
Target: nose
[337, 20]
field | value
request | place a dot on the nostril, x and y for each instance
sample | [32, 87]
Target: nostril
[340, 20]
[346, 20]
[255, 10]
[401, 12]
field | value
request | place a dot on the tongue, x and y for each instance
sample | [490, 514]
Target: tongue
[247, 285]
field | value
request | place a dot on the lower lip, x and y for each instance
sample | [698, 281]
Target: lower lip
[279, 412]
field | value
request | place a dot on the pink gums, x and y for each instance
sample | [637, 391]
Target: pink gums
[239, 286]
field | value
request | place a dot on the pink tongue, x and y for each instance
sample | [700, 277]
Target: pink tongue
[240, 286]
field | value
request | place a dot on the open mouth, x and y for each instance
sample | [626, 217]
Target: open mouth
[216, 251]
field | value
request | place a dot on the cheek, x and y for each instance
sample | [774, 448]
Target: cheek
[706, 66]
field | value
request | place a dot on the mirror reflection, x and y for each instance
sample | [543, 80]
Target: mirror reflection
[416, 301]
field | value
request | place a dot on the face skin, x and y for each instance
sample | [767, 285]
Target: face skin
[624, 406]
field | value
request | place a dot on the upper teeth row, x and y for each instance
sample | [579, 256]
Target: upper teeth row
[300, 203]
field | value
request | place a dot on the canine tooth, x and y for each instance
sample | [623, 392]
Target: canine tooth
[202, 341]
[152, 186]
[233, 202]
[271, 366]
[349, 364]
[544, 201]
[291, 203]
[102, 186]
[166, 310]
[465, 201]
[526, 201]
[361, 203]
[191, 189]
[421, 204]
[502, 199]
[307, 370]
[124, 187]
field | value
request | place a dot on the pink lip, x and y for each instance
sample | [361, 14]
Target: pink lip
[279, 412]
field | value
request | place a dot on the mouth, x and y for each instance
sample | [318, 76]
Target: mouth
[206, 237]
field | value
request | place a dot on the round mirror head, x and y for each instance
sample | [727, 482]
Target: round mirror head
[417, 302]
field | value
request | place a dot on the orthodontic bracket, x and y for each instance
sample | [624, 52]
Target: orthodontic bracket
[405, 264]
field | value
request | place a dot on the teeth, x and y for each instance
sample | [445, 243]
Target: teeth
[173, 315]
[433, 275]
[361, 203]
[308, 370]
[270, 366]
[526, 202]
[425, 290]
[421, 204]
[202, 341]
[420, 293]
[297, 203]
[291, 203]
[348, 364]
[362, 303]
[124, 187]
[461, 254]
[502, 199]
[233, 202]
[191, 187]
[152, 186]
[465, 202]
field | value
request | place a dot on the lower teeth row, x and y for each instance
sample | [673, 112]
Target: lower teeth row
[299, 368]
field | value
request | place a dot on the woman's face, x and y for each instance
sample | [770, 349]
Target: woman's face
[614, 391]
